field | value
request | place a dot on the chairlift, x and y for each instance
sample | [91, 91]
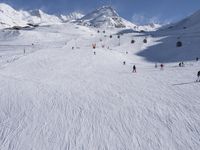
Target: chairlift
[145, 40]
[179, 44]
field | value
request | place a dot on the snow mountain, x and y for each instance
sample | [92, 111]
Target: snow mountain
[9, 17]
[39, 17]
[147, 27]
[71, 17]
[190, 22]
[105, 16]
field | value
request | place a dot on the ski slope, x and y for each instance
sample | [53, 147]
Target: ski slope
[54, 97]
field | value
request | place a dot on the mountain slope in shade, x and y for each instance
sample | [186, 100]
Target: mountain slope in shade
[192, 22]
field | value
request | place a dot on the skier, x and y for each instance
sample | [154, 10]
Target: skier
[180, 65]
[198, 76]
[94, 46]
[156, 66]
[94, 53]
[124, 62]
[197, 59]
[134, 68]
[161, 66]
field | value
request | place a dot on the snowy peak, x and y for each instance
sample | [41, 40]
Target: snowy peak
[39, 17]
[71, 17]
[10, 17]
[105, 16]
[4, 8]
[148, 27]
[37, 13]
[105, 11]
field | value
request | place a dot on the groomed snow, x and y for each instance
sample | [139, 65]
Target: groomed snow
[55, 97]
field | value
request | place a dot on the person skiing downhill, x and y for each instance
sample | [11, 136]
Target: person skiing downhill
[134, 69]
[198, 76]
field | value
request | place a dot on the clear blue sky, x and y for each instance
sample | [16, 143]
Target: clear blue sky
[141, 11]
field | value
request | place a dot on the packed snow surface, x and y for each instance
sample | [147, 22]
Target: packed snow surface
[55, 97]
[55, 94]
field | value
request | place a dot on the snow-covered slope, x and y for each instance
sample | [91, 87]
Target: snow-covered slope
[186, 32]
[105, 16]
[189, 22]
[39, 17]
[10, 17]
[56, 94]
[55, 97]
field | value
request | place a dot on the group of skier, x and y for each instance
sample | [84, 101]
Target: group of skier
[162, 67]
[156, 66]
[181, 64]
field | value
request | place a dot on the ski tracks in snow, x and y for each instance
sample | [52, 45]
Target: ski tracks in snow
[70, 99]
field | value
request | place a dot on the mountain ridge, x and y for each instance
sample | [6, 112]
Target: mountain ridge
[105, 17]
